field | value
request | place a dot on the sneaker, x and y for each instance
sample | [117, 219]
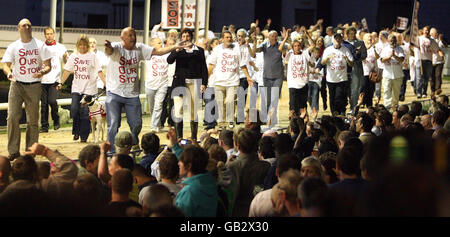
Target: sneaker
[76, 137]
[230, 125]
[56, 126]
[424, 96]
[419, 96]
[402, 98]
[13, 156]
[83, 140]
[44, 130]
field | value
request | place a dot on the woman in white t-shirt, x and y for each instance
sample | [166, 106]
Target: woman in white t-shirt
[85, 68]
[369, 65]
[314, 84]
[210, 116]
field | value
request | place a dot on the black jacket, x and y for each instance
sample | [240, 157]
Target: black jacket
[189, 65]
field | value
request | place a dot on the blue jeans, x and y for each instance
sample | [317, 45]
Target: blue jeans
[80, 115]
[422, 84]
[133, 111]
[313, 95]
[210, 116]
[268, 100]
[357, 75]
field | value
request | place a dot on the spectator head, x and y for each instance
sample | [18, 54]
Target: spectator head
[89, 157]
[443, 99]
[123, 142]
[122, 182]
[396, 116]
[326, 145]
[246, 141]
[438, 119]
[355, 143]
[226, 139]
[43, 169]
[167, 211]
[87, 188]
[266, 148]
[156, 195]
[284, 193]
[405, 120]
[186, 34]
[311, 167]
[441, 134]
[384, 36]
[343, 137]
[168, 167]
[348, 161]
[329, 31]
[283, 144]
[208, 142]
[337, 39]
[193, 161]
[156, 43]
[351, 33]
[120, 161]
[140, 175]
[364, 123]
[150, 143]
[25, 168]
[328, 161]
[287, 162]
[217, 153]
[383, 118]
[425, 120]
[312, 194]
[416, 109]
[404, 108]
[5, 170]
[173, 33]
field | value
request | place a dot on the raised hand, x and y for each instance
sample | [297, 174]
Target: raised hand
[108, 44]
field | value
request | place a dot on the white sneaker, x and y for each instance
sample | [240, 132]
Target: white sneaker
[424, 96]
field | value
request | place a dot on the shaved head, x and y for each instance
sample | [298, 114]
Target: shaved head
[24, 21]
[128, 36]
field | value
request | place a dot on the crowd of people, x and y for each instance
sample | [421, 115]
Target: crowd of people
[388, 160]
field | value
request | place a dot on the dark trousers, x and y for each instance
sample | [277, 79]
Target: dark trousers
[167, 109]
[323, 92]
[338, 97]
[80, 116]
[48, 98]
[405, 79]
[298, 99]
[422, 85]
[368, 88]
[436, 77]
[210, 117]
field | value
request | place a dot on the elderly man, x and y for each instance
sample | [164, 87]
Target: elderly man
[122, 81]
[272, 73]
[25, 61]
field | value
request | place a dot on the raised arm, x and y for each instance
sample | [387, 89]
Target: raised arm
[102, 169]
[285, 34]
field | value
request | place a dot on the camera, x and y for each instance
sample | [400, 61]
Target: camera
[185, 142]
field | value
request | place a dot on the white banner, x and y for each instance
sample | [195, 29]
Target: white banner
[364, 24]
[171, 14]
[402, 23]
[414, 39]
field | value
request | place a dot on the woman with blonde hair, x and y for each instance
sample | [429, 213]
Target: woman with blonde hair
[85, 67]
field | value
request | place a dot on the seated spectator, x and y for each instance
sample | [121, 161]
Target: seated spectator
[364, 125]
[396, 116]
[344, 136]
[150, 145]
[416, 109]
[283, 145]
[121, 186]
[5, 171]
[88, 196]
[312, 195]
[438, 119]
[405, 121]
[118, 161]
[266, 150]
[328, 162]
[311, 167]
[247, 171]
[208, 142]
[327, 144]
[169, 173]
[383, 122]
[261, 205]
[425, 120]
[155, 196]
[198, 198]
[88, 159]
[284, 194]
[142, 180]
[227, 143]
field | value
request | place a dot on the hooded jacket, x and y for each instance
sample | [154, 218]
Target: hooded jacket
[199, 196]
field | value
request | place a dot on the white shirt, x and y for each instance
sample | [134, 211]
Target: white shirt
[337, 66]
[316, 77]
[122, 71]
[245, 56]
[298, 68]
[57, 51]
[259, 63]
[392, 68]
[405, 64]
[103, 60]
[227, 63]
[211, 79]
[85, 68]
[261, 205]
[26, 59]
[427, 47]
[156, 69]
[370, 63]
[379, 47]
[327, 40]
[436, 58]
[171, 73]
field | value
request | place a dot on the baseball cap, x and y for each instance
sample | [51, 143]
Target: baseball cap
[336, 35]
[123, 139]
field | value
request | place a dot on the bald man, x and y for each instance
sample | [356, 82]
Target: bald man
[5, 171]
[122, 82]
[25, 61]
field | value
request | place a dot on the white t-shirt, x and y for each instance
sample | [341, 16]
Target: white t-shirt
[122, 71]
[156, 72]
[57, 51]
[405, 64]
[370, 63]
[337, 66]
[327, 40]
[171, 73]
[436, 58]
[227, 63]
[316, 77]
[211, 79]
[85, 68]
[298, 68]
[259, 63]
[245, 56]
[103, 60]
[392, 68]
[26, 58]
[427, 47]
[379, 47]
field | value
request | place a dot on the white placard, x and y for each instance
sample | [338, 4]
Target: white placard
[402, 23]
[171, 14]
